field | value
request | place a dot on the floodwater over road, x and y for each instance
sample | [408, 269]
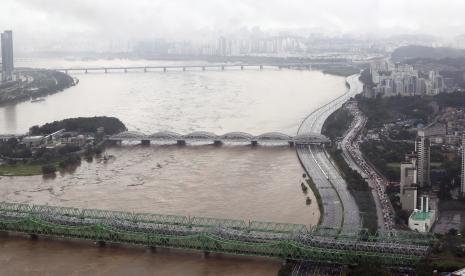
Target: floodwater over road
[238, 182]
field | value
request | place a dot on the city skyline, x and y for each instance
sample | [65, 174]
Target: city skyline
[86, 25]
[219, 137]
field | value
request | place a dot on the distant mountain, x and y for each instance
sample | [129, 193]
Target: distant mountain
[414, 51]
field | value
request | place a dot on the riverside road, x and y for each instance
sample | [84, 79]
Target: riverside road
[339, 207]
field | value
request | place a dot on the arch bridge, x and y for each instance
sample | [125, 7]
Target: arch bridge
[269, 138]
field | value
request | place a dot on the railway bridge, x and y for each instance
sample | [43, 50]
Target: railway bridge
[254, 238]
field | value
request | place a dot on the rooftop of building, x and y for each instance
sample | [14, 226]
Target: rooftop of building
[30, 138]
[421, 216]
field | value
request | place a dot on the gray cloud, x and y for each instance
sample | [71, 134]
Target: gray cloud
[56, 24]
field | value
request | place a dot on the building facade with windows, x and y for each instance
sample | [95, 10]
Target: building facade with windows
[7, 55]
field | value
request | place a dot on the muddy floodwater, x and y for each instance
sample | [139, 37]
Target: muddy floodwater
[20, 256]
[237, 182]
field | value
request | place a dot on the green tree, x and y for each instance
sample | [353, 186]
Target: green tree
[367, 269]
[48, 169]
[285, 270]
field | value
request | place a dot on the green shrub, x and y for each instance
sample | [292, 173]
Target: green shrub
[49, 169]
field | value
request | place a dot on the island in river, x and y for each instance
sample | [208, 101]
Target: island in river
[57, 144]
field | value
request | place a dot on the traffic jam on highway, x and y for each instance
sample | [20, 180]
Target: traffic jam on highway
[351, 147]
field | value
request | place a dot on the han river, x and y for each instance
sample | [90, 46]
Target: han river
[237, 182]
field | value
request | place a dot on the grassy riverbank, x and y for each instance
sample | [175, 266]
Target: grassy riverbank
[23, 169]
[337, 124]
[341, 71]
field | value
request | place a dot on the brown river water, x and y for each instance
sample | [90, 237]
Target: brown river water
[239, 182]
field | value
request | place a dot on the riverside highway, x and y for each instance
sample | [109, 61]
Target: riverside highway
[353, 156]
[339, 207]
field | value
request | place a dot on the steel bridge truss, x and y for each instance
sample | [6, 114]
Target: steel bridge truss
[202, 136]
[279, 240]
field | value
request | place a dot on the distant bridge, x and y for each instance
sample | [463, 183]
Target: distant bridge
[212, 138]
[254, 238]
[203, 67]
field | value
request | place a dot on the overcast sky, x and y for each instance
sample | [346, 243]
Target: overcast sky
[54, 23]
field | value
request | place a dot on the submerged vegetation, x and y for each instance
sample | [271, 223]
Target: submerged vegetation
[316, 192]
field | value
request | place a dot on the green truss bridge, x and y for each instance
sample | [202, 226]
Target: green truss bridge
[254, 238]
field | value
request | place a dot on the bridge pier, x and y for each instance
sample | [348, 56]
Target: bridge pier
[222, 67]
[183, 68]
[125, 70]
[261, 67]
[164, 69]
[113, 142]
[145, 69]
[203, 68]
[291, 144]
[242, 67]
[217, 142]
[85, 71]
[254, 143]
[106, 70]
[145, 142]
[152, 249]
[181, 142]
[101, 243]
[205, 254]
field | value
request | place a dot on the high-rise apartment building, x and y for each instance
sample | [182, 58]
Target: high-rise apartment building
[462, 186]
[7, 55]
[408, 183]
[422, 148]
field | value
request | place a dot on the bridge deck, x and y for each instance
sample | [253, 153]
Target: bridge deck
[232, 137]
[186, 66]
[279, 240]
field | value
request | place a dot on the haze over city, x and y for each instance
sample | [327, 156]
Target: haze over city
[232, 137]
[113, 25]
